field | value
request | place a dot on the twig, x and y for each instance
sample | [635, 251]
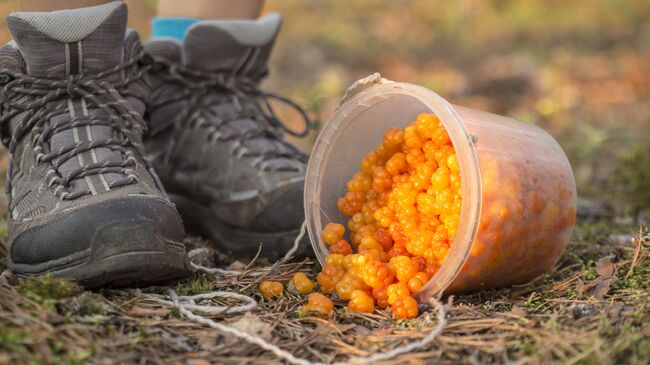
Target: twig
[637, 252]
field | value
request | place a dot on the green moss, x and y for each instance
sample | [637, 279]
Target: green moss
[199, 284]
[14, 341]
[48, 288]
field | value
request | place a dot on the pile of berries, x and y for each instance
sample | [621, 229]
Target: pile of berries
[404, 207]
[317, 303]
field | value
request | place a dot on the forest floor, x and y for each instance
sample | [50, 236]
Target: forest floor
[593, 308]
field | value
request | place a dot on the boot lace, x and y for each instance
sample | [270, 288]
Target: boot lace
[35, 101]
[204, 90]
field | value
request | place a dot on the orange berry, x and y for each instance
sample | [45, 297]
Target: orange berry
[351, 203]
[396, 164]
[381, 180]
[361, 302]
[317, 304]
[452, 163]
[414, 157]
[403, 267]
[371, 161]
[440, 178]
[377, 274]
[329, 276]
[332, 233]
[380, 297]
[405, 307]
[440, 136]
[271, 289]
[411, 138]
[302, 283]
[347, 285]
[384, 238]
[393, 138]
[397, 290]
[335, 259]
[426, 125]
[417, 281]
[341, 247]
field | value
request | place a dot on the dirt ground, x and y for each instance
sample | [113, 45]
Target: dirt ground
[594, 308]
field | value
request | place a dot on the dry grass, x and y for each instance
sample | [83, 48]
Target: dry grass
[594, 308]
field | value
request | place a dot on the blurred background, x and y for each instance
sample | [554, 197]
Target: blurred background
[579, 69]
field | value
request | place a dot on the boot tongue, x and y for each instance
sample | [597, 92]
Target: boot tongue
[238, 47]
[59, 43]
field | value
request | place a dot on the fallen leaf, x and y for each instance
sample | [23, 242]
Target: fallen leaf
[602, 288]
[605, 268]
[252, 324]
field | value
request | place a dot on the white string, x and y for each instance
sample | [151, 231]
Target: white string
[256, 340]
[187, 306]
[189, 302]
[257, 273]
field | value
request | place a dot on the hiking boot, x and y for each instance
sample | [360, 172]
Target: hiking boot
[84, 203]
[216, 143]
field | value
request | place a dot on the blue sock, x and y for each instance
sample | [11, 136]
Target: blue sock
[171, 27]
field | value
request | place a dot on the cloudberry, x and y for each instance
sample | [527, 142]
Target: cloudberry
[369, 163]
[381, 180]
[384, 239]
[440, 178]
[329, 276]
[271, 289]
[302, 283]
[341, 247]
[426, 125]
[405, 307]
[332, 233]
[414, 157]
[397, 290]
[393, 138]
[452, 163]
[360, 183]
[380, 297]
[361, 302]
[369, 243]
[351, 203]
[411, 138]
[347, 285]
[417, 281]
[335, 259]
[403, 267]
[317, 304]
[396, 164]
[377, 274]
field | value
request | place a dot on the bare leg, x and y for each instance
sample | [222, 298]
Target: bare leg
[51, 5]
[210, 9]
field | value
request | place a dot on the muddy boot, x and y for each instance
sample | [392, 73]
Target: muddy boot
[84, 203]
[218, 147]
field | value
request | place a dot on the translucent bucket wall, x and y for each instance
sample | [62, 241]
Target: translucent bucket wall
[519, 194]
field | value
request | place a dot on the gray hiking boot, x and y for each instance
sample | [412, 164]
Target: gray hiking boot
[84, 204]
[216, 143]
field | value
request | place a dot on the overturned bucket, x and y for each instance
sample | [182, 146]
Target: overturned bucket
[519, 193]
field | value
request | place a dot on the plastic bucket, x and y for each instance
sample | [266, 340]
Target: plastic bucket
[519, 194]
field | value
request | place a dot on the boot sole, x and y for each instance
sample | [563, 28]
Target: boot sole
[130, 261]
[199, 220]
